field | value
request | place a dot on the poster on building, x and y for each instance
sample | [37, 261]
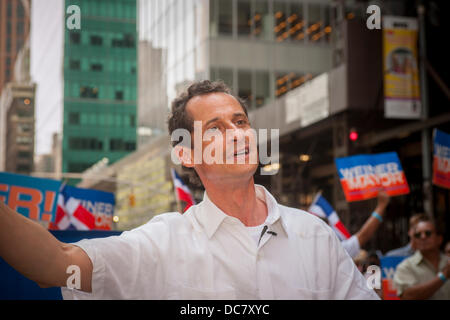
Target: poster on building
[441, 159]
[400, 68]
[32, 197]
[388, 267]
[84, 209]
[362, 176]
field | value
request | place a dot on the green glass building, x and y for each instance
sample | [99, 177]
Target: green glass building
[100, 76]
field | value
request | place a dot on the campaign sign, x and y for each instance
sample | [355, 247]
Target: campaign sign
[35, 198]
[388, 266]
[362, 176]
[441, 159]
[99, 203]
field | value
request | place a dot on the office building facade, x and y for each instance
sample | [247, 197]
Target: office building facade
[100, 84]
[14, 30]
[261, 49]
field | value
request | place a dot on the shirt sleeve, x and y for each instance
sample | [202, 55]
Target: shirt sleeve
[351, 245]
[404, 277]
[350, 283]
[121, 265]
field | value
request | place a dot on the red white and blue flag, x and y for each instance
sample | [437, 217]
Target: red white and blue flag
[71, 214]
[321, 208]
[182, 191]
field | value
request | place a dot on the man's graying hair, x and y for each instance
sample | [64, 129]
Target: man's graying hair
[181, 119]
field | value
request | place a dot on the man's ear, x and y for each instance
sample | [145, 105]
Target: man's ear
[185, 155]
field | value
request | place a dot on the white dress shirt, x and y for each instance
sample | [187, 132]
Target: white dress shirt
[206, 254]
[351, 245]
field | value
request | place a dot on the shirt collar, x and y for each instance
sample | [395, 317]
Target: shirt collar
[417, 258]
[211, 217]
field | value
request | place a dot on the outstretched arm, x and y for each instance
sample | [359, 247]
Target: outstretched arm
[37, 254]
[371, 225]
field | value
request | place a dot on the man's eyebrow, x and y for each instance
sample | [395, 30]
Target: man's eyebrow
[235, 115]
[212, 120]
[239, 114]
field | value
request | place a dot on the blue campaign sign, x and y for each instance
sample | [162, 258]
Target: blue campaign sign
[99, 203]
[362, 176]
[388, 266]
[441, 159]
[35, 198]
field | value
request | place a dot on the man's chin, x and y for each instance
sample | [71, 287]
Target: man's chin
[240, 170]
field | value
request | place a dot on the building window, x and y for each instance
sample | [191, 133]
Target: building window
[24, 140]
[296, 22]
[127, 41]
[75, 38]
[243, 18]
[132, 120]
[92, 144]
[96, 67]
[24, 154]
[74, 64]
[19, 29]
[119, 95]
[315, 23]
[23, 168]
[262, 88]
[96, 40]
[288, 81]
[224, 74]
[225, 8]
[89, 92]
[20, 10]
[245, 87]
[120, 145]
[24, 128]
[74, 118]
[261, 21]
[78, 166]
[25, 112]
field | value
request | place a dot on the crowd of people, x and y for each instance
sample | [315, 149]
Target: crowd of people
[425, 270]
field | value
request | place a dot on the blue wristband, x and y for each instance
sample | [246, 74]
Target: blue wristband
[442, 277]
[376, 215]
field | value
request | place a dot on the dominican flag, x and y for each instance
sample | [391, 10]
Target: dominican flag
[71, 215]
[321, 208]
[182, 192]
[62, 219]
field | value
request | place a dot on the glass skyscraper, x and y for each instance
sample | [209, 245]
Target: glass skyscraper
[100, 76]
[261, 48]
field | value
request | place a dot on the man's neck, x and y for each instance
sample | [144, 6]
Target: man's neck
[238, 200]
[432, 256]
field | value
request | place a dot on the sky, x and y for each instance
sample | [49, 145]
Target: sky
[46, 63]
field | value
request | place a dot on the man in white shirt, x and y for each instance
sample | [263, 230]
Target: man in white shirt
[208, 252]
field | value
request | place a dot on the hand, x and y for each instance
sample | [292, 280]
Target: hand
[446, 270]
[383, 199]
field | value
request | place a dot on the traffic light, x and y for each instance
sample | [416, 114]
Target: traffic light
[353, 135]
